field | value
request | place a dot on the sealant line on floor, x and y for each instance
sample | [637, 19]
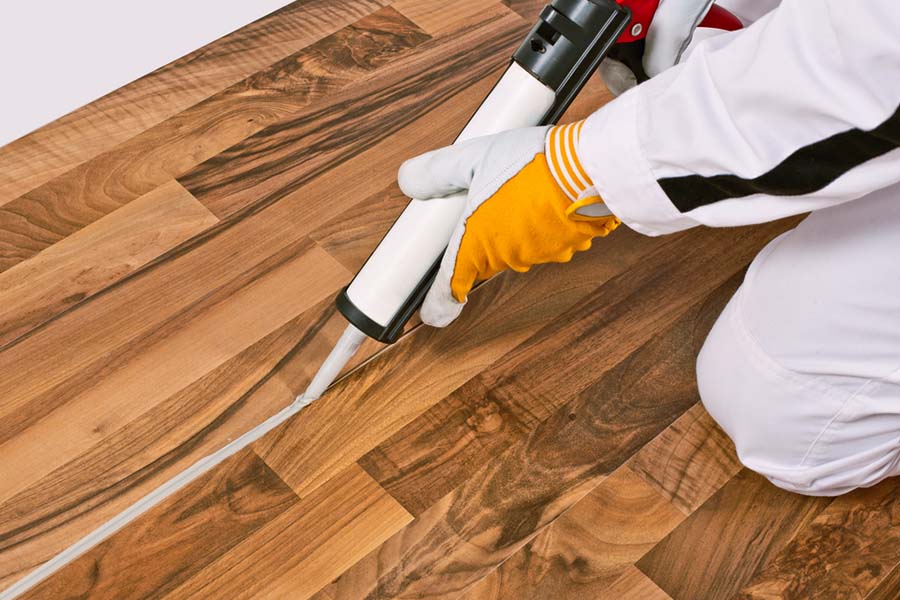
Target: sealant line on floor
[153, 498]
[165, 490]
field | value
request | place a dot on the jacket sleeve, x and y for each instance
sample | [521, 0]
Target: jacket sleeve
[795, 113]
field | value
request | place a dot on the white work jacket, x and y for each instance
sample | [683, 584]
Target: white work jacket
[797, 112]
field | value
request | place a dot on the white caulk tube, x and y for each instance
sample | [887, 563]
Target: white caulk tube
[562, 50]
[421, 233]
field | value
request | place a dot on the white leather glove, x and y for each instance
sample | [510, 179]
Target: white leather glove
[529, 202]
[670, 33]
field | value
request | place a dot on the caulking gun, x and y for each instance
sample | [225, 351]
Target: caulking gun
[549, 68]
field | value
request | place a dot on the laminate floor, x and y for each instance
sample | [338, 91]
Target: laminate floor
[169, 257]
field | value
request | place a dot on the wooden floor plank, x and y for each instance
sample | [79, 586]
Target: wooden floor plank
[845, 552]
[90, 259]
[285, 156]
[737, 531]
[161, 548]
[122, 316]
[71, 201]
[307, 546]
[352, 235]
[888, 588]
[435, 16]
[689, 461]
[633, 585]
[52, 150]
[584, 552]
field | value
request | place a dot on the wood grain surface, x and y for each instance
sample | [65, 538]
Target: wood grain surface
[169, 256]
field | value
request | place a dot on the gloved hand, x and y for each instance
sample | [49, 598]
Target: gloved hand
[667, 38]
[529, 201]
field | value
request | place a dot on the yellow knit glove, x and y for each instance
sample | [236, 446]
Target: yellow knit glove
[529, 202]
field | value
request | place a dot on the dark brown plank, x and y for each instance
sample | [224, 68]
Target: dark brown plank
[689, 461]
[888, 588]
[352, 235]
[178, 537]
[582, 554]
[434, 453]
[846, 552]
[738, 530]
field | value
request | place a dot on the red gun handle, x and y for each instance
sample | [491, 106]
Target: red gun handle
[642, 12]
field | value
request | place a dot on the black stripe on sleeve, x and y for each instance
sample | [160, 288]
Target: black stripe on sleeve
[807, 170]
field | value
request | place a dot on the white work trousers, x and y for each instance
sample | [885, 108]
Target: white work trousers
[799, 112]
[802, 369]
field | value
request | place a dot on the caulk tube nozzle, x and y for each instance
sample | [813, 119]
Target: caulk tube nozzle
[340, 355]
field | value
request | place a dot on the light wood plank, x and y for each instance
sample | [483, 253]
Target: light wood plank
[306, 547]
[633, 585]
[91, 259]
[437, 16]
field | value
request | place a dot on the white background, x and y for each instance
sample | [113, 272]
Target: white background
[57, 55]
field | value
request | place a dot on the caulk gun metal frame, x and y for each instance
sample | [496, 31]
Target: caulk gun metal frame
[547, 71]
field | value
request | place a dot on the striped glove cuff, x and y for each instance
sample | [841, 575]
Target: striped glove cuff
[562, 158]
[559, 149]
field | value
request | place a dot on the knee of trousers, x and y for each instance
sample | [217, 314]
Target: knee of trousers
[785, 427]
